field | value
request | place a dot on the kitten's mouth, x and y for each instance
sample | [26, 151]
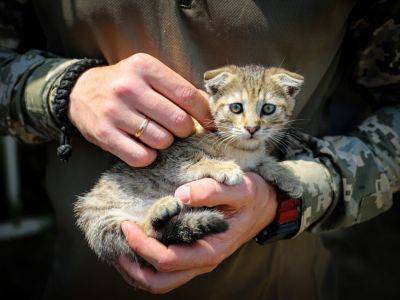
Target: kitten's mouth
[252, 137]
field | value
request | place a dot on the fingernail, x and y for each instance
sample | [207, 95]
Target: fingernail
[183, 193]
[125, 228]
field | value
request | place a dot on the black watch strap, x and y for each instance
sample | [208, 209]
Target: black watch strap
[286, 223]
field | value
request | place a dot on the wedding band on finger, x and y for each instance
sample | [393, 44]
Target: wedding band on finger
[142, 128]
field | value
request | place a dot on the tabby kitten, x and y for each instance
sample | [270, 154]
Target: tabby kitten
[251, 106]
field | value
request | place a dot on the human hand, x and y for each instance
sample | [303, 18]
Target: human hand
[249, 207]
[109, 104]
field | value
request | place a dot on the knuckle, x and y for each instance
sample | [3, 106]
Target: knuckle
[164, 265]
[186, 96]
[110, 109]
[103, 133]
[140, 61]
[183, 124]
[180, 119]
[121, 88]
[162, 139]
[136, 248]
[142, 158]
[89, 137]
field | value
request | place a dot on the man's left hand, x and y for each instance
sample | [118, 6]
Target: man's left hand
[248, 207]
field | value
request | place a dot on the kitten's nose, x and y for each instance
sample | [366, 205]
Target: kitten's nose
[252, 129]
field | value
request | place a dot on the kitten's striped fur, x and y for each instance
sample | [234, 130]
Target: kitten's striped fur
[145, 195]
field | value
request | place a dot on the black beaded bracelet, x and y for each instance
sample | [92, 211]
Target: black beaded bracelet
[61, 103]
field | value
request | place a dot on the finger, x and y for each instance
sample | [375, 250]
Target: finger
[157, 282]
[153, 134]
[210, 193]
[165, 113]
[179, 90]
[173, 258]
[128, 279]
[127, 149]
[148, 248]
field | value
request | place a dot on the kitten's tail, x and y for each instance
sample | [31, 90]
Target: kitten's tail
[192, 225]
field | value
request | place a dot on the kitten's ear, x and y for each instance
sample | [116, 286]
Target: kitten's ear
[290, 82]
[216, 80]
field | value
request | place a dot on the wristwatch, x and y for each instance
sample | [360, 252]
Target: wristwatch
[286, 223]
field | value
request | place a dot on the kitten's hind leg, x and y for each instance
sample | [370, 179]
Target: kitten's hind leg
[160, 213]
[172, 223]
[193, 225]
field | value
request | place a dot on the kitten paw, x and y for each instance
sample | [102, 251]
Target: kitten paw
[164, 210]
[282, 177]
[289, 184]
[192, 226]
[293, 189]
[230, 175]
[227, 172]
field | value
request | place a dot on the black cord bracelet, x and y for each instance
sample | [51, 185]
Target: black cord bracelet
[61, 103]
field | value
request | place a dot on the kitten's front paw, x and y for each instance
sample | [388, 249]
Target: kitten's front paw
[227, 172]
[283, 178]
[294, 190]
[290, 185]
[229, 176]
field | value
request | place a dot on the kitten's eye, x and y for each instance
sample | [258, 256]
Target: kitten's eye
[268, 109]
[236, 108]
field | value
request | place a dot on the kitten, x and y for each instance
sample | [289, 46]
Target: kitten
[251, 106]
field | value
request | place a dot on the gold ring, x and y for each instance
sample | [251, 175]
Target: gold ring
[142, 128]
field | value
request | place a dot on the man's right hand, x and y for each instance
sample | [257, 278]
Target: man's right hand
[108, 105]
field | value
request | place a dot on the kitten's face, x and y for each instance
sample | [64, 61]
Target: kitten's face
[251, 104]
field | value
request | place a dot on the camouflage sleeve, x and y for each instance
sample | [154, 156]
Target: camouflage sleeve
[350, 179]
[27, 81]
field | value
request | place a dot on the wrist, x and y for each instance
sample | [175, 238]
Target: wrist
[319, 190]
[271, 207]
[62, 101]
[83, 89]
[286, 222]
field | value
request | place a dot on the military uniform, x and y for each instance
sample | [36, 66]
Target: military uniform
[349, 175]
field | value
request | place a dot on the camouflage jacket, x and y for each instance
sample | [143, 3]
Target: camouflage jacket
[347, 179]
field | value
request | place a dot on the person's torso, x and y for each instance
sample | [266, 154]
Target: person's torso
[192, 37]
